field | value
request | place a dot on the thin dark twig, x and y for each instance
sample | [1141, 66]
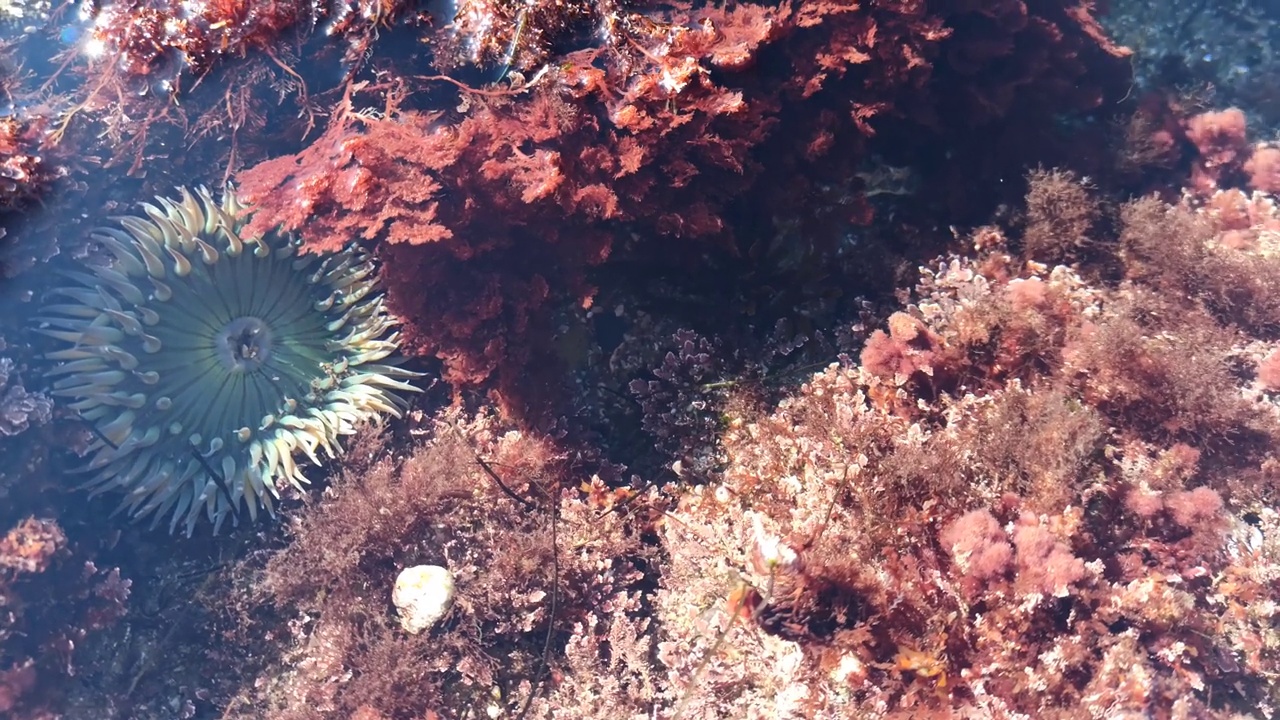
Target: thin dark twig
[551, 617]
[835, 498]
[94, 429]
[492, 475]
[555, 565]
[218, 480]
[509, 492]
[705, 661]
[195, 452]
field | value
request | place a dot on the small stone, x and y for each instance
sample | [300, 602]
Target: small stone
[423, 594]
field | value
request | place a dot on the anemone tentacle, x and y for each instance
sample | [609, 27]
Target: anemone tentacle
[204, 359]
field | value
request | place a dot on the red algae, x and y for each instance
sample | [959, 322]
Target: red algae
[1040, 482]
[25, 176]
[488, 213]
[1263, 168]
[1219, 138]
[1079, 520]
[173, 38]
[148, 76]
[440, 503]
[1052, 543]
[31, 545]
[978, 545]
[37, 637]
[519, 35]
[1168, 129]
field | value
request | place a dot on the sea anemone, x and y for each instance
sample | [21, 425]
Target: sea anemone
[204, 360]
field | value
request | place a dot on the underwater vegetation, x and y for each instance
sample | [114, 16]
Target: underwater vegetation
[206, 359]
[1043, 489]
[1034, 490]
[649, 137]
[777, 380]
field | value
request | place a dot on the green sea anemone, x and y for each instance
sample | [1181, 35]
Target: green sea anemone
[204, 360]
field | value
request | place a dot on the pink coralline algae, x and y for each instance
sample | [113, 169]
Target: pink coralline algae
[1056, 533]
[1263, 169]
[19, 407]
[1045, 563]
[37, 636]
[1223, 156]
[978, 545]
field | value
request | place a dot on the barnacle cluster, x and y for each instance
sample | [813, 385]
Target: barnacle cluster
[204, 359]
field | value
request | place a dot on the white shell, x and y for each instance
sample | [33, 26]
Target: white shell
[423, 594]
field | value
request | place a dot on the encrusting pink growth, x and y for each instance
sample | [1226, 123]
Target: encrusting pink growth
[1201, 507]
[1222, 143]
[1263, 168]
[1224, 159]
[908, 348]
[1144, 502]
[1269, 371]
[1219, 136]
[978, 546]
[1045, 563]
[52, 600]
[1028, 294]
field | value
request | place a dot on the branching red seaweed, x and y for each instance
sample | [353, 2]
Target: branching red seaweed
[487, 213]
